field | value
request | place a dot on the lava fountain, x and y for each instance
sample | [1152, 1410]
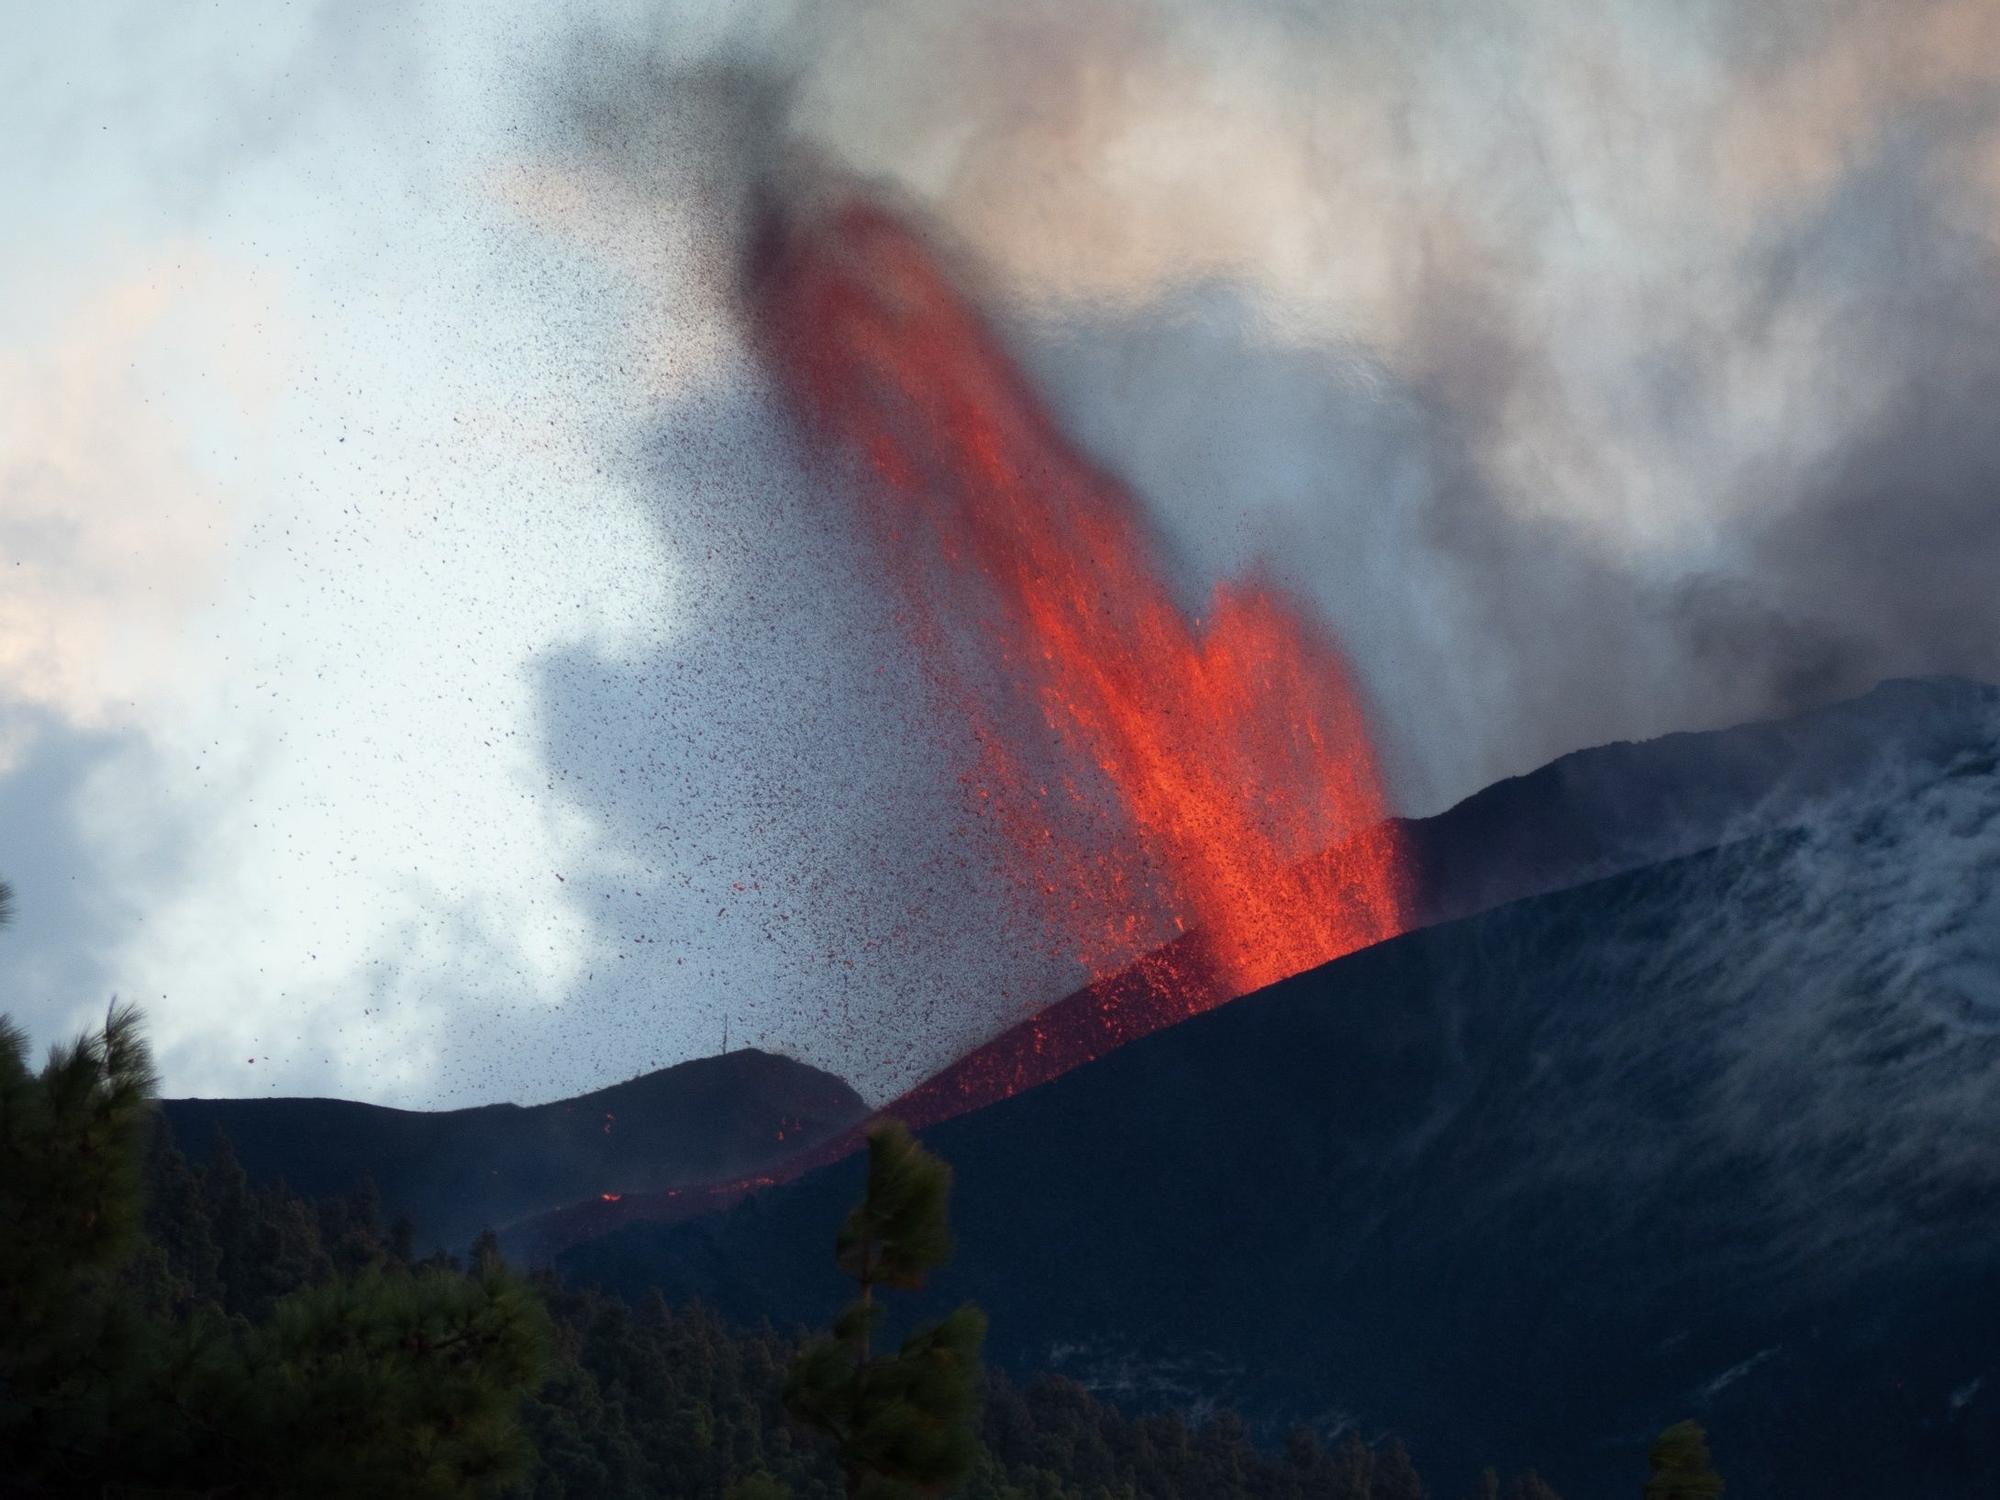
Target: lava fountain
[1189, 805]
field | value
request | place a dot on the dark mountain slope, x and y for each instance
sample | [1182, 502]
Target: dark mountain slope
[455, 1172]
[1588, 815]
[1716, 1136]
[1585, 816]
[1617, 807]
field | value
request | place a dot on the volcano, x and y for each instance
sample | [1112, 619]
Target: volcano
[1587, 815]
[1588, 1154]
[1710, 1136]
[1143, 771]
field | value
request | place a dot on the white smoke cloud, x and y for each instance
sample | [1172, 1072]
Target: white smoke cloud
[111, 531]
[294, 503]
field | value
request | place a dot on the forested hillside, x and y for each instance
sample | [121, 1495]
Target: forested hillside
[647, 1399]
[172, 1329]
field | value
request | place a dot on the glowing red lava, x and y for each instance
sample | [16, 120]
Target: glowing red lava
[1192, 805]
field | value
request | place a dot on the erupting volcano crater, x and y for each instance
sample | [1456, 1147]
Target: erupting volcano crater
[1187, 806]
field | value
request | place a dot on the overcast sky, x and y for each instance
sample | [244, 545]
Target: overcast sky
[422, 677]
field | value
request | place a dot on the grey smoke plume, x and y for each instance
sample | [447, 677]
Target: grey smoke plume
[1596, 379]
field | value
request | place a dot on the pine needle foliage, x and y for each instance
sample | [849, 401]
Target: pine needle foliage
[902, 1424]
[1682, 1469]
[120, 1372]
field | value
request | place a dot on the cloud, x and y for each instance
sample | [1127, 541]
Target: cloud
[1802, 121]
[1578, 323]
[111, 532]
[124, 107]
[1599, 371]
[278, 547]
[55, 969]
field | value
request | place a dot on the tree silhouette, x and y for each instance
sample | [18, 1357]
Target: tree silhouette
[118, 1375]
[902, 1424]
[1681, 1466]
[72, 1141]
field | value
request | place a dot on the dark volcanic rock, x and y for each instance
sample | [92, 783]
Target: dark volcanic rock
[1617, 807]
[1716, 1137]
[455, 1172]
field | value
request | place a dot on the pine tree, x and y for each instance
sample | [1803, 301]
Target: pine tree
[1395, 1477]
[72, 1141]
[351, 1228]
[179, 1269]
[758, 1487]
[1681, 1466]
[118, 1375]
[403, 1384]
[1353, 1469]
[902, 1424]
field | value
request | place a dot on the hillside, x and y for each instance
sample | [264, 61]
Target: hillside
[454, 1172]
[1588, 815]
[1712, 1136]
[1616, 807]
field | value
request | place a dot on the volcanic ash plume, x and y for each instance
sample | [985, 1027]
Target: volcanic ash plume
[1144, 774]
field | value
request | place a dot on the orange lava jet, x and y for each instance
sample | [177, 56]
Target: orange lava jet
[1191, 806]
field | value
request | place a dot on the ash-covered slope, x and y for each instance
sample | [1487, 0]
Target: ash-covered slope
[1719, 1136]
[455, 1172]
[1617, 807]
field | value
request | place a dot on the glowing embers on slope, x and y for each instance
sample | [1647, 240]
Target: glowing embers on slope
[1192, 806]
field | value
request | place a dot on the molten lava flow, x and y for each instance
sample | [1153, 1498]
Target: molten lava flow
[1192, 804]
